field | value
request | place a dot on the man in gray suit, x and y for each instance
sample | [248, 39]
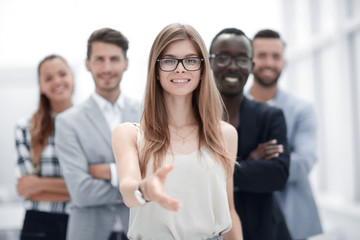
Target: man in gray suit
[83, 143]
[296, 200]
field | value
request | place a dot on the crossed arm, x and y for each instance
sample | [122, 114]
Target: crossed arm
[268, 171]
[50, 189]
[45, 189]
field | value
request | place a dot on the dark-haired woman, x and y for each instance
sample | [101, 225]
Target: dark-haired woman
[41, 183]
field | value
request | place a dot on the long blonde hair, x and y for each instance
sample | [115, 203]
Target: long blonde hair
[206, 102]
[42, 122]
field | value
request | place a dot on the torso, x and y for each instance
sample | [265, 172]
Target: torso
[199, 182]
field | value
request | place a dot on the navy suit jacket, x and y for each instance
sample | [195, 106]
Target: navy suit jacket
[256, 180]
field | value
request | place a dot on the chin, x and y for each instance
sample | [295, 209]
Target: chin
[230, 94]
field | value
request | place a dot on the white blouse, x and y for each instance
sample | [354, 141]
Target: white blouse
[199, 182]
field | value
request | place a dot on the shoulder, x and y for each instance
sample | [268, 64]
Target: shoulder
[292, 101]
[75, 111]
[23, 122]
[260, 108]
[126, 129]
[126, 134]
[229, 132]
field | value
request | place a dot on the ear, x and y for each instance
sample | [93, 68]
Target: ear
[126, 64]
[252, 66]
[283, 64]
[87, 63]
[41, 88]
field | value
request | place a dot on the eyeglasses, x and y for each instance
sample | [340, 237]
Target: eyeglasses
[223, 60]
[189, 63]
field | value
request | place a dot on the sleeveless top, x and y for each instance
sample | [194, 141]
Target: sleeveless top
[199, 182]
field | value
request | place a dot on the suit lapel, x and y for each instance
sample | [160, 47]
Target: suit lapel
[247, 129]
[128, 112]
[96, 117]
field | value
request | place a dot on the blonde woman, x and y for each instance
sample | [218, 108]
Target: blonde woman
[175, 168]
[41, 182]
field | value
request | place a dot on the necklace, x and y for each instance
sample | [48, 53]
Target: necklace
[183, 137]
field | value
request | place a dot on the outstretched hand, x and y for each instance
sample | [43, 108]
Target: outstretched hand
[153, 189]
[266, 150]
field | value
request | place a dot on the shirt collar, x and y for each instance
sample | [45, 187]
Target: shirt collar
[104, 103]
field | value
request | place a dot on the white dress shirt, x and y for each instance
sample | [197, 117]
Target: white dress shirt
[112, 114]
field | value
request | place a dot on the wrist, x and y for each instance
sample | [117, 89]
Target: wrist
[139, 193]
[143, 191]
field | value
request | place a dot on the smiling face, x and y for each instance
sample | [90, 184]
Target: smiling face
[107, 64]
[231, 78]
[56, 80]
[180, 81]
[269, 60]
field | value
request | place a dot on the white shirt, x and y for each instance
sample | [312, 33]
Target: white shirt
[205, 211]
[112, 112]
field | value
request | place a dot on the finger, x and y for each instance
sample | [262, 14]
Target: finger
[271, 156]
[272, 141]
[274, 148]
[170, 203]
[163, 171]
[269, 144]
[281, 148]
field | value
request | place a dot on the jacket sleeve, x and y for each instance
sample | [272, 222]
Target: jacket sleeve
[303, 144]
[85, 191]
[263, 176]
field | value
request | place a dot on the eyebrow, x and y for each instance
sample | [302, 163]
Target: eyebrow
[188, 55]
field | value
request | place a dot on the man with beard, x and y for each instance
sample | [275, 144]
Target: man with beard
[296, 200]
[83, 143]
[263, 156]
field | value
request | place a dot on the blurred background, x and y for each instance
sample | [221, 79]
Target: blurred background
[323, 66]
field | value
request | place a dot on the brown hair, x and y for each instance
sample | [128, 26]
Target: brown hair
[108, 35]
[206, 102]
[42, 122]
[270, 34]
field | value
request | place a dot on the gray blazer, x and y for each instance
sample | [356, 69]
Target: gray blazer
[82, 138]
[296, 200]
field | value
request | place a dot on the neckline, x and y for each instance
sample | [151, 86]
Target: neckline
[202, 149]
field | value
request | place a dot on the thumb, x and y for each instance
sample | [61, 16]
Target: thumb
[163, 171]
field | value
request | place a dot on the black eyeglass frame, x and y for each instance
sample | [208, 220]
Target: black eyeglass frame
[180, 60]
[213, 56]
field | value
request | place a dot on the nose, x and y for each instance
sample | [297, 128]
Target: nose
[232, 65]
[180, 67]
[107, 66]
[58, 79]
[269, 61]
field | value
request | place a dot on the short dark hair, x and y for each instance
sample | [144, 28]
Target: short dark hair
[234, 31]
[268, 33]
[108, 35]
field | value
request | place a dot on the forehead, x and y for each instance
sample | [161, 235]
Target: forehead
[268, 45]
[105, 49]
[181, 48]
[232, 44]
[53, 65]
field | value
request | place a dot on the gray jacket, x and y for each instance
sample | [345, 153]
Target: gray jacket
[82, 138]
[297, 200]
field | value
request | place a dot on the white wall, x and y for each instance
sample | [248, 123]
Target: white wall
[323, 66]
